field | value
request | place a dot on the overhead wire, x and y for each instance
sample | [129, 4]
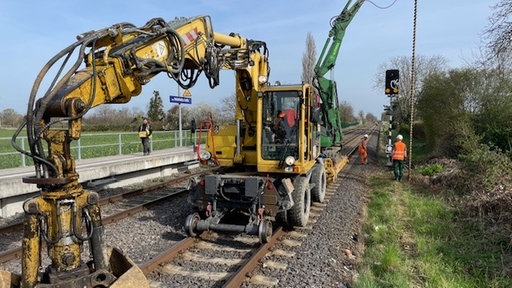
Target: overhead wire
[382, 7]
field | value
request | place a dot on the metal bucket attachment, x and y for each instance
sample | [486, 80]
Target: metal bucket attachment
[126, 274]
[9, 280]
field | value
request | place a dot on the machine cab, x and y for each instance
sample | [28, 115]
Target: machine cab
[288, 132]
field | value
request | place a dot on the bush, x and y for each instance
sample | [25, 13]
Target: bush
[419, 131]
[488, 167]
[487, 179]
[430, 170]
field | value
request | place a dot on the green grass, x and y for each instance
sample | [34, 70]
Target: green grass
[7, 132]
[416, 239]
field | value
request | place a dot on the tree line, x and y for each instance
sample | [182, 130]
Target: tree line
[112, 118]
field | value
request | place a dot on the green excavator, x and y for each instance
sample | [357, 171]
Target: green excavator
[331, 121]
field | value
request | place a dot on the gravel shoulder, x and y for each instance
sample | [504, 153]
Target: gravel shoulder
[329, 255]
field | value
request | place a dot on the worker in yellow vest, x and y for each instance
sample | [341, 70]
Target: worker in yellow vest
[398, 155]
[145, 132]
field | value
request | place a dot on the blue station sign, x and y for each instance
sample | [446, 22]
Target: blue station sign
[180, 100]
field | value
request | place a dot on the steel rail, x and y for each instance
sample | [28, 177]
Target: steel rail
[238, 277]
[15, 253]
[167, 256]
[18, 226]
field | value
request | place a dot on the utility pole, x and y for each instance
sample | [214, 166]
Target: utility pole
[179, 119]
[185, 99]
[413, 85]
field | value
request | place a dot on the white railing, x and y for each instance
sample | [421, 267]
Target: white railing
[91, 145]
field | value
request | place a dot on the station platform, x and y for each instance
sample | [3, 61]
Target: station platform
[106, 172]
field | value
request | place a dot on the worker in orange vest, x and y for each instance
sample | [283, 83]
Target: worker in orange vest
[398, 155]
[289, 120]
[362, 148]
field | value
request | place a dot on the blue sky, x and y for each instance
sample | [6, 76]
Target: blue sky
[34, 31]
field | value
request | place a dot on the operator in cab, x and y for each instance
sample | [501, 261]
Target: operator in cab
[288, 120]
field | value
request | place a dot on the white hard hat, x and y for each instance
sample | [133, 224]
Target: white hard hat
[399, 137]
[365, 136]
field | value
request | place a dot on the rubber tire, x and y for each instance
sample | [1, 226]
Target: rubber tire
[298, 215]
[191, 224]
[319, 178]
[282, 219]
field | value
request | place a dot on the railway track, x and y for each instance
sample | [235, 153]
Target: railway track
[247, 269]
[112, 199]
[213, 260]
[130, 203]
[220, 258]
[130, 211]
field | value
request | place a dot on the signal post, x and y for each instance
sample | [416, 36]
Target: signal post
[391, 89]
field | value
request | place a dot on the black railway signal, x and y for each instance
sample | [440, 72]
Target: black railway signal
[392, 81]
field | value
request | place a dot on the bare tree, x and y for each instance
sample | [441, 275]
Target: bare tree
[347, 112]
[201, 112]
[172, 119]
[370, 118]
[309, 60]
[499, 31]
[108, 118]
[497, 52]
[227, 109]
[10, 118]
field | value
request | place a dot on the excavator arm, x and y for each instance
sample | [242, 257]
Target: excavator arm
[110, 66]
[326, 62]
[118, 60]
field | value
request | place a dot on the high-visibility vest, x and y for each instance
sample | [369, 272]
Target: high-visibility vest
[399, 151]
[290, 115]
[362, 145]
[145, 131]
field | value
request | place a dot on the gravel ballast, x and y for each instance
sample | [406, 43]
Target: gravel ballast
[326, 256]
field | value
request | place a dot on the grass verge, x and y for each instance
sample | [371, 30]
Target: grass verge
[417, 239]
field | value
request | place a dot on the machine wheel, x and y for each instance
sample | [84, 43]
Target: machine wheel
[298, 215]
[191, 224]
[265, 231]
[319, 178]
[282, 219]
